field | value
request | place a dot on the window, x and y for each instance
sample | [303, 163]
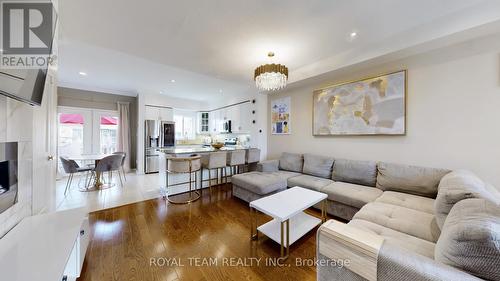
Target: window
[70, 134]
[185, 126]
[86, 131]
[108, 134]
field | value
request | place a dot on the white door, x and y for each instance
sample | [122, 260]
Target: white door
[44, 149]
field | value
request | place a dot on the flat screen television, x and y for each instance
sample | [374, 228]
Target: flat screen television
[8, 175]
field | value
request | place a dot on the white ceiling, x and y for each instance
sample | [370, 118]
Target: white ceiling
[131, 46]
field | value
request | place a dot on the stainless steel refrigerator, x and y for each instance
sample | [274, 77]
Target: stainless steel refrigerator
[157, 134]
[151, 144]
[167, 134]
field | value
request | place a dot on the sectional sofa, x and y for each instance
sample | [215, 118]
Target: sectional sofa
[405, 222]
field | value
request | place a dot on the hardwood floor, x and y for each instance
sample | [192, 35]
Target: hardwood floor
[215, 229]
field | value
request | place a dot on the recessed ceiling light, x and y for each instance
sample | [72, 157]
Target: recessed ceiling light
[82, 73]
[353, 34]
[173, 80]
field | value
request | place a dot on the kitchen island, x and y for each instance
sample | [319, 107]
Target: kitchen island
[180, 178]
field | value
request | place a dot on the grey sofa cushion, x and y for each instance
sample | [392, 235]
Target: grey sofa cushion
[470, 239]
[268, 166]
[351, 194]
[310, 182]
[287, 174]
[262, 183]
[338, 209]
[414, 202]
[353, 171]
[291, 162]
[249, 196]
[411, 222]
[316, 165]
[399, 239]
[459, 185]
[409, 179]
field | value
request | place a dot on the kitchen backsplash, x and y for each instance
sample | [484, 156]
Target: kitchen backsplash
[243, 139]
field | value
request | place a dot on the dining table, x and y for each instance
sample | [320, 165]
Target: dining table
[98, 184]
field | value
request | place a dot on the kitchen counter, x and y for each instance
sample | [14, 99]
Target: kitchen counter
[201, 149]
[181, 151]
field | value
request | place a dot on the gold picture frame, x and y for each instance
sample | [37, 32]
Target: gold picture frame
[374, 106]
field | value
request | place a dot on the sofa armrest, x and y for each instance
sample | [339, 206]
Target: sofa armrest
[365, 256]
[396, 263]
[357, 248]
[268, 166]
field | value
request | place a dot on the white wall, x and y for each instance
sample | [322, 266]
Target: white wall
[453, 112]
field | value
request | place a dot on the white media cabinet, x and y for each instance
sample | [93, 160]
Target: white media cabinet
[47, 247]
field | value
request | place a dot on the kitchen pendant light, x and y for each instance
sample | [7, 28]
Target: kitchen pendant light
[271, 77]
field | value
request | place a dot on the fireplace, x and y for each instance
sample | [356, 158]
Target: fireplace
[8, 175]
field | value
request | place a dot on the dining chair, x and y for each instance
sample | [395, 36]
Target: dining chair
[123, 163]
[109, 164]
[72, 168]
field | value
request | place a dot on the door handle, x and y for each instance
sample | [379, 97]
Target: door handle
[50, 158]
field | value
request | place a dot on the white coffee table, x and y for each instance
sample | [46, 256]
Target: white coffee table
[286, 207]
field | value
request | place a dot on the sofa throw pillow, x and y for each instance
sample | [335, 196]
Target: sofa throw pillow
[316, 165]
[356, 172]
[291, 162]
[415, 180]
[459, 185]
[470, 238]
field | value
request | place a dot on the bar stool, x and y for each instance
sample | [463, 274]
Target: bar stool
[252, 157]
[211, 161]
[235, 159]
[184, 165]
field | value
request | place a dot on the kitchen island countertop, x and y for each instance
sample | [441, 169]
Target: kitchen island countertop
[201, 149]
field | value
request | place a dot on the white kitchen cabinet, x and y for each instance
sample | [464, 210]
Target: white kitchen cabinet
[223, 114]
[240, 115]
[214, 122]
[166, 114]
[233, 115]
[203, 121]
[158, 113]
[245, 117]
[151, 113]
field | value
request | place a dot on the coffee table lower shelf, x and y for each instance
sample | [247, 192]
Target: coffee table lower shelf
[300, 224]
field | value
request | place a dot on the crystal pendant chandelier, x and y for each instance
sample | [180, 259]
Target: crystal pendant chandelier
[271, 77]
